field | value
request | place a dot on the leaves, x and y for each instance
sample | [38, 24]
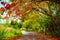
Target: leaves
[35, 15]
[57, 1]
[11, 0]
[8, 32]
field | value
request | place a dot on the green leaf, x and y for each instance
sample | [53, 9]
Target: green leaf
[0, 0]
[11, 0]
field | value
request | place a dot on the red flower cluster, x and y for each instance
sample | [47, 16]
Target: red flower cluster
[2, 8]
[7, 6]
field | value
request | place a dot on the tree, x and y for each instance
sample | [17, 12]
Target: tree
[19, 9]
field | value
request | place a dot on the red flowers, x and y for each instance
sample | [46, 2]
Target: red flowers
[13, 4]
[17, 12]
[23, 15]
[9, 12]
[2, 9]
[7, 6]
[30, 4]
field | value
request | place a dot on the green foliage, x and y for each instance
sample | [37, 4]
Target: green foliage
[36, 23]
[56, 32]
[18, 32]
[0, 0]
[1, 35]
[57, 1]
[0, 17]
[9, 32]
[11, 0]
[16, 24]
[19, 24]
[13, 22]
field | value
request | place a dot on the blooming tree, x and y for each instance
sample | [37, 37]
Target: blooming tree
[20, 10]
